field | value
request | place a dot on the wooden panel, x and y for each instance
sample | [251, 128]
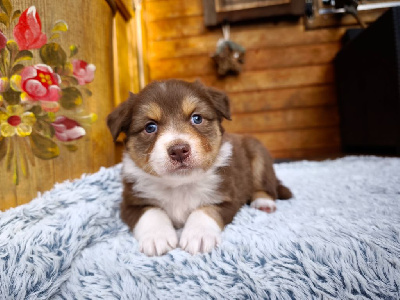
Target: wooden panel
[158, 10]
[320, 153]
[283, 98]
[300, 139]
[252, 37]
[259, 59]
[271, 79]
[95, 149]
[176, 27]
[283, 120]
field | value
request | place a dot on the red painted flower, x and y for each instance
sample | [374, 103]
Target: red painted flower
[3, 40]
[83, 71]
[28, 32]
[40, 83]
[67, 130]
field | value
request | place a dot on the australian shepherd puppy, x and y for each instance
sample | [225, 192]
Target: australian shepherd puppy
[180, 170]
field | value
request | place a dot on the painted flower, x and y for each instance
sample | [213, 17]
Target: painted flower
[83, 71]
[67, 129]
[28, 32]
[39, 82]
[16, 121]
[3, 40]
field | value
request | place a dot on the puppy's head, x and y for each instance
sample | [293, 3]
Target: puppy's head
[172, 127]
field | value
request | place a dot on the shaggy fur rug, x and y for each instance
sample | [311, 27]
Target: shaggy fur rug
[338, 239]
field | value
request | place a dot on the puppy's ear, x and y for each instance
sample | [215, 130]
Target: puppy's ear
[119, 120]
[218, 98]
[221, 102]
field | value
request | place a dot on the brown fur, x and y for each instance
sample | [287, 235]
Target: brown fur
[250, 173]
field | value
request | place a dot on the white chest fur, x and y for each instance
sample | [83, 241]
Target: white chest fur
[178, 196]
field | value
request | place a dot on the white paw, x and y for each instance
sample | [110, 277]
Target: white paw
[200, 234]
[155, 233]
[158, 242]
[264, 204]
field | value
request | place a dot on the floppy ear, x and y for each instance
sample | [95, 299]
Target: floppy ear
[119, 120]
[221, 102]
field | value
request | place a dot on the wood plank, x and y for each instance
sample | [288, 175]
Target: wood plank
[283, 119]
[252, 37]
[254, 60]
[308, 153]
[271, 79]
[176, 28]
[283, 98]
[300, 139]
[156, 10]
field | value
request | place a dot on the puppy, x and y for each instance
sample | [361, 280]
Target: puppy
[180, 170]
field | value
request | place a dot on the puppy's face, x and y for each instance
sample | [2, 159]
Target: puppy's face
[172, 127]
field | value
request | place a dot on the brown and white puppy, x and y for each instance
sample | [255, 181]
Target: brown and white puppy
[180, 170]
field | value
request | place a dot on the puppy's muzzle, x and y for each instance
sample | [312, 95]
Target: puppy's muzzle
[179, 152]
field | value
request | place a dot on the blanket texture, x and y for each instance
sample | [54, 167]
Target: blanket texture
[339, 238]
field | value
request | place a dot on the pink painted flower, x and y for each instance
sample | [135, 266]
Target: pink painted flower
[83, 71]
[40, 83]
[67, 129]
[28, 32]
[3, 40]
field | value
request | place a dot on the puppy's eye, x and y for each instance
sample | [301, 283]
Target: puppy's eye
[150, 127]
[197, 119]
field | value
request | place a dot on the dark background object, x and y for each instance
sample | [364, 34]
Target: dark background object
[218, 11]
[368, 86]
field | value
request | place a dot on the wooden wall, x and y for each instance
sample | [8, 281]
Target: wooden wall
[285, 95]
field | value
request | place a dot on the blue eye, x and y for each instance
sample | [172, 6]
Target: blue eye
[150, 127]
[197, 119]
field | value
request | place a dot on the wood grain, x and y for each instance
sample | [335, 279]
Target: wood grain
[93, 36]
[277, 99]
[260, 59]
[252, 37]
[313, 117]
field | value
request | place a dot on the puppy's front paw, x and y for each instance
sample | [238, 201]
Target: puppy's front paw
[200, 234]
[158, 242]
[264, 204]
[155, 233]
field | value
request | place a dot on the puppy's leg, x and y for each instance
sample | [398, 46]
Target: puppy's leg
[151, 226]
[155, 232]
[203, 227]
[264, 178]
[262, 201]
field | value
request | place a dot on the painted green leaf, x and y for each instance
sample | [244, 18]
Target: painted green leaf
[69, 80]
[4, 19]
[12, 97]
[73, 50]
[6, 6]
[23, 55]
[17, 68]
[16, 15]
[53, 55]
[88, 92]
[43, 147]
[5, 57]
[71, 98]
[54, 36]
[3, 147]
[71, 147]
[12, 47]
[44, 128]
[60, 26]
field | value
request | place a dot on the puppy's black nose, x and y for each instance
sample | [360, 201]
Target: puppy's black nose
[179, 152]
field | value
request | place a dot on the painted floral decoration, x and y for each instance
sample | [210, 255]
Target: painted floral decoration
[40, 104]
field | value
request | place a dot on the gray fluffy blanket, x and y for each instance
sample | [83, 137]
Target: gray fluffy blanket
[338, 239]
